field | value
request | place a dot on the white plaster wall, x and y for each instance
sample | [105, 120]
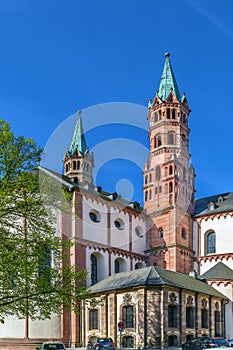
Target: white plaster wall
[224, 231]
[195, 237]
[119, 238]
[12, 328]
[45, 329]
[95, 231]
[138, 243]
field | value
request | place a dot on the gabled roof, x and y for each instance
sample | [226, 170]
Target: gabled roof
[214, 204]
[218, 271]
[153, 276]
[78, 140]
[168, 81]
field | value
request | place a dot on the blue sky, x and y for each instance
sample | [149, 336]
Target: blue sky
[61, 56]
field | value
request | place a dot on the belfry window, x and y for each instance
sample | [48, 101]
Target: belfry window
[157, 172]
[160, 232]
[146, 179]
[170, 138]
[170, 169]
[170, 187]
[173, 113]
[168, 113]
[146, 196]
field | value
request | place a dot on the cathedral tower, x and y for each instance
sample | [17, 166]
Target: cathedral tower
[169, 178]
[78, 162]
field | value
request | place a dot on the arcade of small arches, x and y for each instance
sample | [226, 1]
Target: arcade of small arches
[159, 140]
[170, 113]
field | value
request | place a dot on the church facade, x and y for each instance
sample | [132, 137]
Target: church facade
[143, 262]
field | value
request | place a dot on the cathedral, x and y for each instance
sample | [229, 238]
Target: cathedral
[158, 275]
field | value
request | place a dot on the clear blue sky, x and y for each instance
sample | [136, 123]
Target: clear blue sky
[60, 56]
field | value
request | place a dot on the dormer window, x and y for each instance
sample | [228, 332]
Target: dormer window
[211, 206]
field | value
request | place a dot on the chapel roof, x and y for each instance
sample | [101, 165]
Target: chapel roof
[153, 276]
[218, 271]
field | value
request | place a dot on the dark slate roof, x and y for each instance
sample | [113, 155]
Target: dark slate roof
[214, 204]
[73, 183]
[218, 271]
[153, 276]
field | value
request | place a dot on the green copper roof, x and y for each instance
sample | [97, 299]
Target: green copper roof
[78, 140]
[168, 81]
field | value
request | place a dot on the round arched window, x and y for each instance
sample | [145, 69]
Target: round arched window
[95, 216]
[119, 224]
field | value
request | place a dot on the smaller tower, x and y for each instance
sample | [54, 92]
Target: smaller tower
[78, 162]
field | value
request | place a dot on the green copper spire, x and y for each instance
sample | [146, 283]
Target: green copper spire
[78, 140]
[168, 81]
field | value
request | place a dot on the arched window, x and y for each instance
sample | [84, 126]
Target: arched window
[150, 194]
[170, 199]
[128, 316]
[211, 243]
[217, 324]
[189, 317]
[128, 342]
[168, 113]
[146, 179]
[204, 318]
[78, 167]
[158, 172]
[44, 265]
[173, 113]
[170, 187]
[160, 232]
[93, 269]
[120, 265]
[156, 118]
[74, 165]
[138, 266]
[146, 196]
[172, 316]
[117, 266]
[170, 169]
[157, 141]
[93, 319]
[170, 138]
[150, 177]
[183, 233]
[184, 174]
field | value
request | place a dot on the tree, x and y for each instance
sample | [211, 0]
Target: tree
[36, 277]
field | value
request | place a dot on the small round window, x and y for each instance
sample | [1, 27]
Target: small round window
[139, 231]
[94, 216]
[119, 224]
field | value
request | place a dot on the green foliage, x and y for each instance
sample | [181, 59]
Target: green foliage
[36, 277]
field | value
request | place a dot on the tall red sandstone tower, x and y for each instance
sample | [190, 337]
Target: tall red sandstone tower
[169, 178]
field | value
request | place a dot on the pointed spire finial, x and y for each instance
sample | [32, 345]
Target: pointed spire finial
[168, 81]
[78, 140]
